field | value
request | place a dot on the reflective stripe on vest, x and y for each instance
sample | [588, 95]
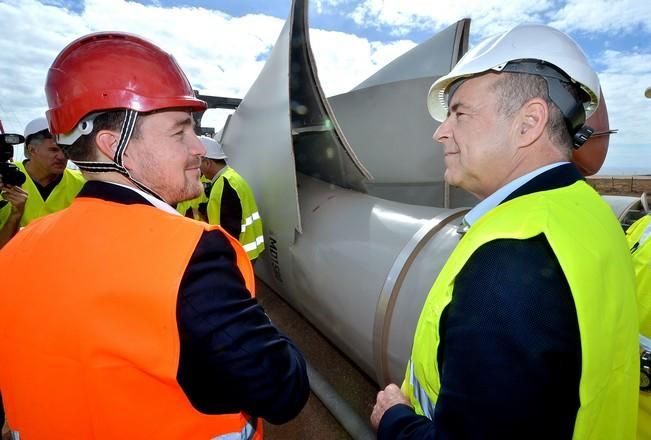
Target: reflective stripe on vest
[638, 233]
[251, 232]
[247, 432]
[570, 218]
[425, 403]
[249, 247]
[35, 207]
[249, 220]
[645, 342]
[109, 370]
[645, 235]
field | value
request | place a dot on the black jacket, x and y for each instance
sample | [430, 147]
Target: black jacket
[231, 357]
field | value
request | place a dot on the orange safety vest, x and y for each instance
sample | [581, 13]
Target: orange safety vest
[89, 335]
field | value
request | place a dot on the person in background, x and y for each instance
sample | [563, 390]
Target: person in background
[195, 208]
[231, 203]
[49, 185]
[10, 191]
[142, 323]
[530, 328]
[638, 235]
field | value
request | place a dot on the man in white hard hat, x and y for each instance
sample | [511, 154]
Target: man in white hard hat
[530, 329]
[231, 202]
[638, 236]
[49, 185]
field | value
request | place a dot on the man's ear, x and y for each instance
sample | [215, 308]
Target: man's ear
[107, 143]
[531, 121]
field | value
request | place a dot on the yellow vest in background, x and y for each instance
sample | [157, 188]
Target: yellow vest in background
[60, 197]
[251, 236]
[192, 205]
[639, 240]
[590, 248]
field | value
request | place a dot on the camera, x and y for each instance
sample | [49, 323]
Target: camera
[9, 173]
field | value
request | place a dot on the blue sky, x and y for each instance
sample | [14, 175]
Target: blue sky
[222, 45]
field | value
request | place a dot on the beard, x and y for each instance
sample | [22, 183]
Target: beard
[192, 186]
[191, 189]
[172, 186]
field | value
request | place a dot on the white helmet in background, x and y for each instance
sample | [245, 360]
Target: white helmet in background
[506, 53]
[35, 126]
[214, 149]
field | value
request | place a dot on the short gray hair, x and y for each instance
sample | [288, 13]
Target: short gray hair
[35, 139]
[513, 90]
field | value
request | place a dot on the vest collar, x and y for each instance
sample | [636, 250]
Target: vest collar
[543, 179]
[117, 193]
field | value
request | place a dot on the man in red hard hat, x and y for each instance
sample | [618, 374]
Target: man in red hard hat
[143, 323]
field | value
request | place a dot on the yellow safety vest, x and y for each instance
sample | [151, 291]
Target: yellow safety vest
[251, 236]
[35, 207]
[590, 248]
[639, 240]
[193, 204]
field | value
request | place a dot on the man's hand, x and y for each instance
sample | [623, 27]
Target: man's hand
[16, 196]
[390, 396]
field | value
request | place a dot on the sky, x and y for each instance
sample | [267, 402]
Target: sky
[223, 44]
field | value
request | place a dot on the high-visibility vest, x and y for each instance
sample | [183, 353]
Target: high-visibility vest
[91, 329]
[193, 205]
[251, 236]
[592, 252]
[639, 240]
[60, 197]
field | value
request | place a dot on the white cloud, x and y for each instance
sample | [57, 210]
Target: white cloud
[324, 6]
[201, 40]
[222, 55]
[624, 78]
[344, 60]
[619, 16]
[492, 16]
[489, 16]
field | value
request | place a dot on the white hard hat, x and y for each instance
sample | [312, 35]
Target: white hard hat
[35, 126]
[214, 149]
[523, 42]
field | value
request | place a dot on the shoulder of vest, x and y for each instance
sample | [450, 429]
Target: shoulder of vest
[75, 174]
[530, 214]
[150, 213]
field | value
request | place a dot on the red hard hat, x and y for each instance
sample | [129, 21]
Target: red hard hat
[113, 70]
